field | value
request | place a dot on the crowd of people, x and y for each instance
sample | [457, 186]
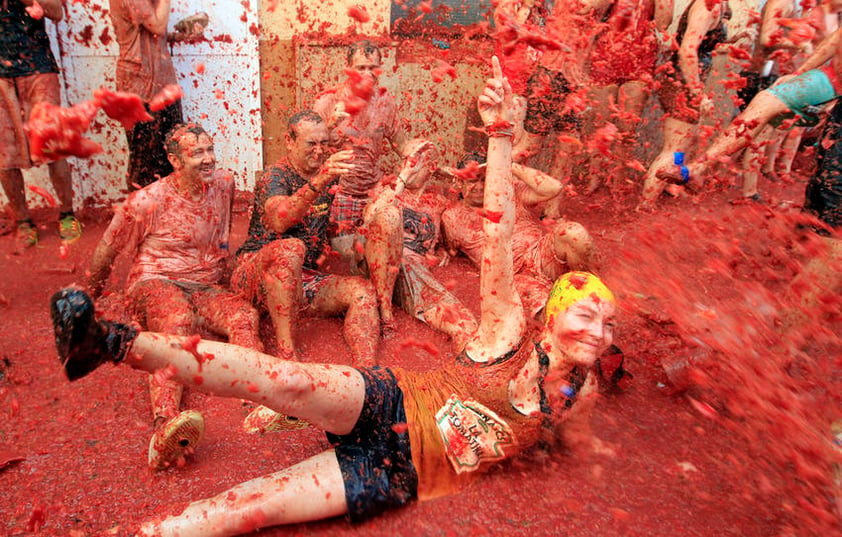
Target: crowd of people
[526, 370]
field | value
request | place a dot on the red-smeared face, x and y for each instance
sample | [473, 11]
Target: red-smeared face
[310, 148]
[584, 331]
[366, 65]
[197, 160]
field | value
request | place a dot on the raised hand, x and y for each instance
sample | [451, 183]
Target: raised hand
[495, 103]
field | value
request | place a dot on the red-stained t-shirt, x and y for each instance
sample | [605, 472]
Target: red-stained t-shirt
[144, 66]
[366, 133]
[448, 406]
[172, 237]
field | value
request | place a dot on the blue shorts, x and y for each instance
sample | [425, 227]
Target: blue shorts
[808, 89]
[375, 457]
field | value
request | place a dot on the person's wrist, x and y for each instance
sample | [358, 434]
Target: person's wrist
[500, 129]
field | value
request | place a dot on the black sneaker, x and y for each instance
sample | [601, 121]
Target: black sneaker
[83, 343]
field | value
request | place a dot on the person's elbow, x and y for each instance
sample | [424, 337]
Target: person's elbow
[155, 26]
[53, 10]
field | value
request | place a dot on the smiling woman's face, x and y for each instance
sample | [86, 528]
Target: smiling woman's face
[585, 330]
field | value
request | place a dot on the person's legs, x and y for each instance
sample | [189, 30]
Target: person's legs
[755, 159]
[45, 88]
[61, 180]
[328, 396]
[356, 297]
[310, 490]
[230, 315]
[787, 151]
[453, 319]
[163, 307]
[383, 251]
[13, 157]
[419, 294]
[273, 276]
[12, 181]
[743, 130]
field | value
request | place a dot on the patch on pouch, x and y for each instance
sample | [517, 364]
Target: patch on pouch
[472, 434]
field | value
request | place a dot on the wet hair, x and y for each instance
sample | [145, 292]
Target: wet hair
[304, 115]
[365, 46]
[473, 156]
[572, 287]
[172, 142]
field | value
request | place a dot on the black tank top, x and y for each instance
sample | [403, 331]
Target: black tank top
[713, 37]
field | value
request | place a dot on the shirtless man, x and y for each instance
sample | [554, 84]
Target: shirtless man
[360, 117]
[176, 232]
[541, 252]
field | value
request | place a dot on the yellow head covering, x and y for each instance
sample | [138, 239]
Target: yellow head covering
[573, 287]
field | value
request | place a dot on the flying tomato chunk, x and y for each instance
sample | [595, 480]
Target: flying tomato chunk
[127, 108]
[55, 132]
[167, 96]
[359, 13]
[35, 11]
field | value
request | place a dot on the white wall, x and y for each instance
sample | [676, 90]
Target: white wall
[225, 99]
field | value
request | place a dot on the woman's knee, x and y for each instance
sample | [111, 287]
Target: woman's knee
[574, 244]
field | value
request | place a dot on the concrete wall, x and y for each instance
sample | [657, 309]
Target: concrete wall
[265, 60]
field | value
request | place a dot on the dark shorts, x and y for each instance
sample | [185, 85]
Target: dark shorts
[823, 196]
[755, 83]
[375, 458]
[546, 94]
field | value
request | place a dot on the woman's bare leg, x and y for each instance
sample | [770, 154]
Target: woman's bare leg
[310, 490]
[328, 396]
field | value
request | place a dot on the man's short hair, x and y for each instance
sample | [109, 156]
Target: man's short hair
[365, 46]
[474, 156]
[304, 115]
[172, 142]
